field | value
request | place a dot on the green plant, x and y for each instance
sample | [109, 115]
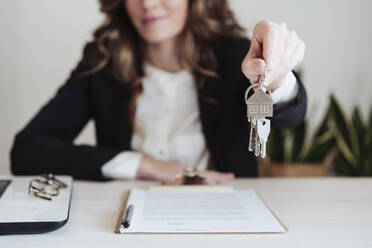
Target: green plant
[353, 139]
[295, 146]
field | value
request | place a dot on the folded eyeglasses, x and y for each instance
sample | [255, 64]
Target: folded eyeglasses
[46, 187]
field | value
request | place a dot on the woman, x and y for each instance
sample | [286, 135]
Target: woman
[164, 82]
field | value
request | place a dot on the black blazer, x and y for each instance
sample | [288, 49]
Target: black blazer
[46, 143]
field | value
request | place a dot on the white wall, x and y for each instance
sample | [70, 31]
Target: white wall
[41, 42]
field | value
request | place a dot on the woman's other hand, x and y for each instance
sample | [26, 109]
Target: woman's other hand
[275, 46]
[169, 172]
[215, 177]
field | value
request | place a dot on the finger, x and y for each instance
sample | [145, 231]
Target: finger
[174, 181]
[168, 181]
[297, 55]
[252, 68]
[255, 50]
[267, 34]
[225, 178]
[210, 177]
[282, 68]
[291, 46]
[274, 62]
[218, 177]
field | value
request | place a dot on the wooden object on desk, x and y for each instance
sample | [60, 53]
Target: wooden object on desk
[269, 168]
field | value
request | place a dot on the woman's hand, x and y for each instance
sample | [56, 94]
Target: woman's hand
[169, 172]
[275, 46]
[215, 177]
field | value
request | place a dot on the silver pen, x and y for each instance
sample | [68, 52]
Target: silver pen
[128, 216]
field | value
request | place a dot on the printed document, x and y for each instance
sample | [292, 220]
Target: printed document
[235, 211]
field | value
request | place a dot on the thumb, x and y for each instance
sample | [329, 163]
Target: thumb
[253, 68]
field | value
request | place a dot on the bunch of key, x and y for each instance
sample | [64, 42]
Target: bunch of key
[259, 107]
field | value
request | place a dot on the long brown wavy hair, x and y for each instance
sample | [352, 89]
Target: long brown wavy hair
[120, 50]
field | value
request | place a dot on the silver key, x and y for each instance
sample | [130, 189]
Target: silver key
[263, 131]
[257, 150]
[259, 106]
[252, 135]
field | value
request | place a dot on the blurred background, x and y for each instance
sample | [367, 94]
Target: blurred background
[41, 42]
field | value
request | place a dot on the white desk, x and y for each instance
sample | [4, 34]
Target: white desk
[329, 212]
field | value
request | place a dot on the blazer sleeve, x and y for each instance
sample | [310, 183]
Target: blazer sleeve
[290, 114]
[45, 145]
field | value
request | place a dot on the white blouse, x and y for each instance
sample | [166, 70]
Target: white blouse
[167, 122]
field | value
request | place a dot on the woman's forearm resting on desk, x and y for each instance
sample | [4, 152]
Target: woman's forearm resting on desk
[132, 165]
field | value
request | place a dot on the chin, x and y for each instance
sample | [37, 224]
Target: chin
[158, 37]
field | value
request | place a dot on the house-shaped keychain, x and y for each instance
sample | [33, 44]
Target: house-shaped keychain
[259, 104]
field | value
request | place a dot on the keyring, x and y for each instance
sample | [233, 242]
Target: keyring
[258, 85]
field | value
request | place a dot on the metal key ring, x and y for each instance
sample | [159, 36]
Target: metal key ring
[258, 85]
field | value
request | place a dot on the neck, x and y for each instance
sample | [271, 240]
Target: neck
[164, 55]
